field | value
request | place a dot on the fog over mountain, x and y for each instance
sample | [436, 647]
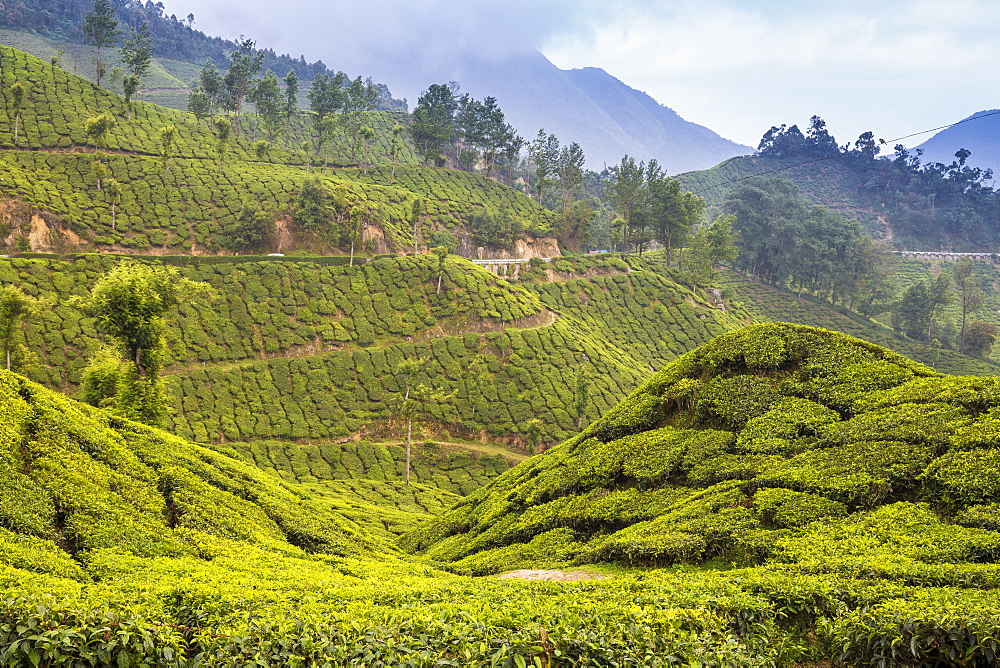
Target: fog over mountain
[605, 116]
[489, 50]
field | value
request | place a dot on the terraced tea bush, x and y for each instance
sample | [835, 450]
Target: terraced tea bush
[755, 438]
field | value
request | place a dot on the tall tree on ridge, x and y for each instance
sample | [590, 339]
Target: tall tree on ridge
[291, 101]
[271, 107]
[136, 55]
[244, 64]
[433, 121]
[101, 29]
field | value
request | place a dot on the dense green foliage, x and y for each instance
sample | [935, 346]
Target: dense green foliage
[294, 349]
[124, 544]
[191, 199]
[822, 425]
[918, 206]
[769, 304]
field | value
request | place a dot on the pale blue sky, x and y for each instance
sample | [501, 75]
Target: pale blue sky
[736, 66]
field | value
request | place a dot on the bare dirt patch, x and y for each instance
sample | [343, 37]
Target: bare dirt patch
[558, 576]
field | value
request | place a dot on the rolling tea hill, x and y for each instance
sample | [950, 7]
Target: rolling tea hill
[734, 450]
[767, 303]
[189, 201]
[847, 510]
[299, 349]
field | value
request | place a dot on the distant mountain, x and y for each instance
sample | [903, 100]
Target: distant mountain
[589, 106]
[982, 137]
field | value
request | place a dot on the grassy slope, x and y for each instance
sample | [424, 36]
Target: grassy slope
[190, 206]
[826, 182]
[167, 80]
[290, 350]
[124, 544]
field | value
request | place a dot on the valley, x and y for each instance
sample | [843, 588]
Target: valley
[310, 431]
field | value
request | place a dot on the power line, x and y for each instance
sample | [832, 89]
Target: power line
[916, 134]
[831, 157]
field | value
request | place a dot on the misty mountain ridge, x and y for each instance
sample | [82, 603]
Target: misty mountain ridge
[982, 137]
[605, 116]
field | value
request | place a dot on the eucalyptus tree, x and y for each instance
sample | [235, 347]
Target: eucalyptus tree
[17, 105]
[100, 27]
[544, 155]
[360, 97]
[168, 145]
[136, 55]
[244, 64]
[270, 103]
[291, 101]
[433, 122]
[15, 305]
[395, 148]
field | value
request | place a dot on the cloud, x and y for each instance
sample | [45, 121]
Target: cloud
[895, 66]
[352, 35]
[740, 67]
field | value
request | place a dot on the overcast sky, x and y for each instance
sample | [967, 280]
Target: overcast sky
[737, 66]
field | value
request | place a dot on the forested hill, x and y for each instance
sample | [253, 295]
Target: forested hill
[897, 196]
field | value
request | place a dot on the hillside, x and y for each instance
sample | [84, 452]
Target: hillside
[53, 28]
[191, 202]
[123, 544]
[772, 444]
[898, 197]
[298, 349]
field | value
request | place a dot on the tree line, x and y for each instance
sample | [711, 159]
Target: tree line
[786, 241]
[174, 37]
[932, 204]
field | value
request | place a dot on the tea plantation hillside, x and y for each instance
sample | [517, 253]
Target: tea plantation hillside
[77, 481]
[124, 545]
[190, 200]
[770, 304]
[985, 275]
[828, 182]
[776, 443]
[299, 349]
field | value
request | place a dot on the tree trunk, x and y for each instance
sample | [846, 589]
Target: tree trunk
[17, 127]
[8, 359]
[440, 276]
[965, 311]
[352, 253]
[409, 433]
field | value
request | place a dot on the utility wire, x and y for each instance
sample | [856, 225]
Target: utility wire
[915, 134]
[809, 162]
